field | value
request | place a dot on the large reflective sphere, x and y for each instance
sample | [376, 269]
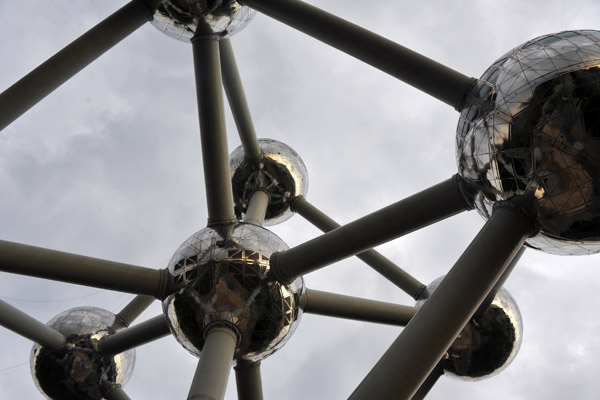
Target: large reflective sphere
[488, 344]
[531, 128]
[181, 19]
[224, 273]
[281, 172]
[79, 371]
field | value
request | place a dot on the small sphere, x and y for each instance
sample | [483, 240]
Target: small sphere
[181, 19]
[79, 371]
[488, 343]
[281, 172]
[224, 276]
[530, 128]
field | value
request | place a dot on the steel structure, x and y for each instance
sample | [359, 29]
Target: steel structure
[412, 359]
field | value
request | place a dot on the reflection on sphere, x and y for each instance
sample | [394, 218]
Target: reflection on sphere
[79, 371]
[488, 344]
[224, 276]
[181, 19]
[530, 127]
[281, 172]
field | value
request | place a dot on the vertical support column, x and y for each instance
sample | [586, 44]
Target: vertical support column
[257, 208]
[212, 373]
[215, 155]
[248, 381]
[409, 360]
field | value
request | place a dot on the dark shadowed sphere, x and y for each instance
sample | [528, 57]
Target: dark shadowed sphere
[531, 128]
[80, 371]
[281, 172]
[224, 273]
[489, 342]
[181, 19]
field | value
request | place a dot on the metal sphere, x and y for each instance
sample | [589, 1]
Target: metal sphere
[181, 19]
[281, 172]
[531, 128]
[80, 371]
[224, 276]
[488, 344]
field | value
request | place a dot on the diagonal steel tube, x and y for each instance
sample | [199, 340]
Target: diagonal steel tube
[134, 309]
[438, 371]
[374, 259]
[417, 211]
[428, 384]
[215, 156]
[341, 306]
[427, 75]
[30, 328]
[72, 268]
[237, 102]
[248, 381]
[492, 294]
[59, 68]
[212, 373]
[137, 335]
[414, 354]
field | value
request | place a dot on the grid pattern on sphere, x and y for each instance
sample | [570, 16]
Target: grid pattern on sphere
[223, 271]
[180, 21]
[281, 173]
[531, 127]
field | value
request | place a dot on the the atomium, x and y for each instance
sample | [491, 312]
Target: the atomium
[79, 371]
[224, 274]
[531, 128]
[281, 172]
[489, 342]
[528, 155]
[181, 19]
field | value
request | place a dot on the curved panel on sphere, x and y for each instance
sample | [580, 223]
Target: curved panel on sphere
[488, 344]
[530, 127]
[224, 276]
[181, 19]
[80, 371]
[281, 172]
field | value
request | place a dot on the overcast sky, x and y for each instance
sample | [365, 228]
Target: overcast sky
[109, 166]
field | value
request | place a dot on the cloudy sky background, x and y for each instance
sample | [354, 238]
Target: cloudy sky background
[109, 166]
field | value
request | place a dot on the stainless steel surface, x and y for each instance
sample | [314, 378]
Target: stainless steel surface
[530, 128]
[181, 19]
[488, 343]
[281, 172]
[80, 371]
[225, 275]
